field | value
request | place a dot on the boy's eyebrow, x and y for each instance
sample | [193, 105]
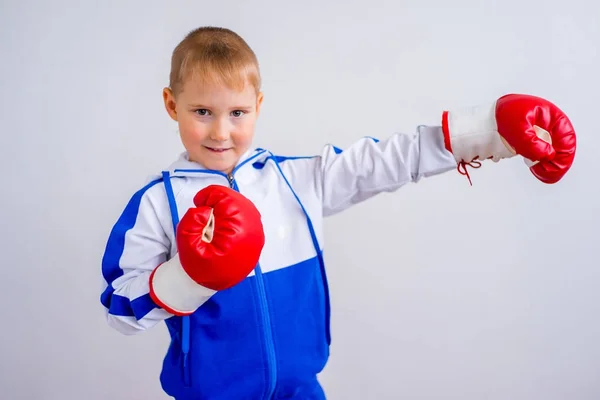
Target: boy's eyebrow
[195, 105]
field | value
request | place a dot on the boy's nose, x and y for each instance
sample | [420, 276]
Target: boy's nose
[219, 132]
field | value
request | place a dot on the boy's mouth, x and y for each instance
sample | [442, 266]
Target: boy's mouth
[217, 149]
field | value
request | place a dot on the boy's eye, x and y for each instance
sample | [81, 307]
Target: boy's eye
[202, 111]
[238, 113]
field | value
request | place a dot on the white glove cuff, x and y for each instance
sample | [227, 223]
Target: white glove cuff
[471, 133]
[173, 289]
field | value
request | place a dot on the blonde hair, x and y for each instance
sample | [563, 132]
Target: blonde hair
[214, 55]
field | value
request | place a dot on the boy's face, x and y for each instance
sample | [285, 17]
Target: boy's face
[216, 123]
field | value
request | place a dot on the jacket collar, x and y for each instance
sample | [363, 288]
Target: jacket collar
[183, 166]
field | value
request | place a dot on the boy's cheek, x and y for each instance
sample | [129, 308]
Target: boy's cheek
[192, 129]
[244, 139]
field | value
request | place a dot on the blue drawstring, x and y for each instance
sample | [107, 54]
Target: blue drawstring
[185, 321]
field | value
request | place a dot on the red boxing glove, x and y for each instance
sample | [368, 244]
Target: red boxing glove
[219, 243]
[220, 240]
[514, 124]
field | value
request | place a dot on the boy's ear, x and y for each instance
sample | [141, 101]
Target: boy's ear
[259, 100]
[170, 104]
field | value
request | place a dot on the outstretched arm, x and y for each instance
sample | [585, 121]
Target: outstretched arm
[370, 166]
[511, 125]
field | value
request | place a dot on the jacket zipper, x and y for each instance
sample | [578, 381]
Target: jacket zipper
[266, 319]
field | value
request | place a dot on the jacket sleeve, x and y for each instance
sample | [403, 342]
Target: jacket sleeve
[370, 166]
[136, 246]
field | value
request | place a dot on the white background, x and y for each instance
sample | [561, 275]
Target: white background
[439, 291]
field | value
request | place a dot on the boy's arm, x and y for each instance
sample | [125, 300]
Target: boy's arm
[136, 246]
[144, 287]
[514, 124]
[371, 166]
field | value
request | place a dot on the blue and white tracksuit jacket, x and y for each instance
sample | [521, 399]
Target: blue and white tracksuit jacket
[268, 337]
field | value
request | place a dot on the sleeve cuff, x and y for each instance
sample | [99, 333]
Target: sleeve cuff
[434, 156]
[172, 289]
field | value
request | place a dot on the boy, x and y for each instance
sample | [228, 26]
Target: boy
[267, 337]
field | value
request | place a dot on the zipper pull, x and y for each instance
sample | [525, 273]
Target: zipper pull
[230, 178]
